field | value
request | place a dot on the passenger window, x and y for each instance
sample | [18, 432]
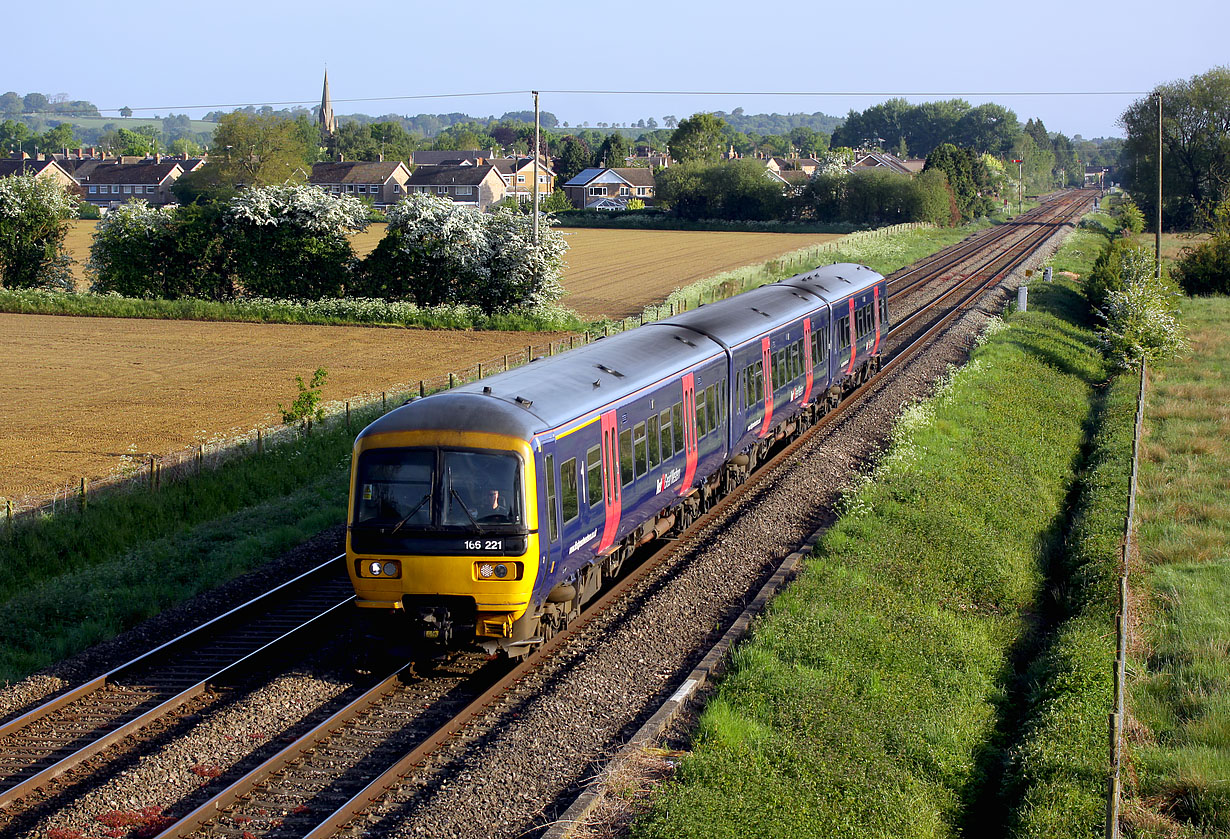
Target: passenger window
[625, 457]
[711, 406]
[654, 459]
[796, 360]
[677, 422]
[552, 515]
[664, 420]
[843, 332]
[700, 414]
[638, 437]
[568, 489]
[815, 349]
[593, 475]
[721, 402]
[749, 384]
[758, 378]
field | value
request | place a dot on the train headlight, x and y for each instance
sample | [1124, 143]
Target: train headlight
[501, 570]
[390, 569]
[487, 571]
[374, 569]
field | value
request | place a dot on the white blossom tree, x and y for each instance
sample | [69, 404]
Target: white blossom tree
[1141, 315]
[34, 214]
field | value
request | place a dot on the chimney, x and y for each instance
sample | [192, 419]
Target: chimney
[341, 158]
[79, 153]
[380, 157]
[157, 157]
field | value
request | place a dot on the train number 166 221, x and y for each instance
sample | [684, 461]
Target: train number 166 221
[484, 544]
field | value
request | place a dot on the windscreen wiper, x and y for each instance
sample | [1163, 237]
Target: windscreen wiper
[455, 494]
[410, 514]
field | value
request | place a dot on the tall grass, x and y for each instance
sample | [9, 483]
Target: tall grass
[75, 577]
[875, 697]
[1179, 685]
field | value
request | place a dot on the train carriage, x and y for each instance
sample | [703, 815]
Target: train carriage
[492, 512]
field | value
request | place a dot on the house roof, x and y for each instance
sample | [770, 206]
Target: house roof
[450, 157]
[509, 165]
[878, 160]
[449, 175]
[132, 173]
[635, 175]
[17, 166]
[355, 172]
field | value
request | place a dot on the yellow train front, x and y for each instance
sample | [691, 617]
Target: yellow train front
[442, 536]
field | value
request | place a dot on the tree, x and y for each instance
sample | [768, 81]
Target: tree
[698, 139]
[15, 136]
[57, 139]
[125, 112]
[11, 105]
[987, 128]
[574, 157]
[968, 178]
[258, 150]
[670, 121]
[1205, 268]
[613, 152]
[34, 214]
[734, 190]
[35, 103]
[292, 241]
[1196, 148]
[1140, 313]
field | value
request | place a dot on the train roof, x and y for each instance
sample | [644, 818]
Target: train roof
[549, 392]
[835, 282]
[741, 318]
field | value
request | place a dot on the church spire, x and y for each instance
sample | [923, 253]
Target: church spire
[328, 122]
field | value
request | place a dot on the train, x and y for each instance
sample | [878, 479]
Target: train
[487, 515]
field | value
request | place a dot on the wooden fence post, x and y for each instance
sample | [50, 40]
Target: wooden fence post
[505, 362]
[529, 353]
[422, 388]
[200, 458]
[384, 401]
[82, 498]
[452, 382]
[152, 467]
[348, 417]
[260, 441]
[8, 516]
[480, 369]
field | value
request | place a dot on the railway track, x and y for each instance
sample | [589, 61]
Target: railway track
[326, 783]
[45, 745]
[328, 780]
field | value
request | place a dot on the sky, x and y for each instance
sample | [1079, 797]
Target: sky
[1075, 66]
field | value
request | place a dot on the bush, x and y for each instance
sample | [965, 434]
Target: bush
[1205, 269]
[34, 214]
[1141, 314]
[86, 210]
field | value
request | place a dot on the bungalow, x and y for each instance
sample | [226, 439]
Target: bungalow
[610, 189]
[477, 186]
[383, 183]
[883, 160]
[110, 185]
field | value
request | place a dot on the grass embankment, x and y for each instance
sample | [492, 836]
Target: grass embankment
[1179, 679]
[883, 693]
[74, 578]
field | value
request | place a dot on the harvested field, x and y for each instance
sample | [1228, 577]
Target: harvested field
[618, 272]
[77, 395]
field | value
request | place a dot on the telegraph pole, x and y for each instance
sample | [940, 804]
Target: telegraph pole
[1020, 185]
[535, 187]
[1157, 237]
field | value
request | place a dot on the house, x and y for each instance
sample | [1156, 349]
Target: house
[383, 183]
[111, 184]
[466, 157]
[39, 168]
[518, 175]
[881, 160]
[610, 189]
[472, 185]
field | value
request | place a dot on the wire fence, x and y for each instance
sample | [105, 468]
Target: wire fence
[149, 473]
[1118, 712]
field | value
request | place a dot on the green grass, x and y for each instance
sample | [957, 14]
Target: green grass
[877, 696]
[340, 312]
[74, 578]
[1179, 692]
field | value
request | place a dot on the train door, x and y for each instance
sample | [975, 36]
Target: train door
[610, 480]
[808, 360]
[689, 432]
[549, 516]
[766, 359]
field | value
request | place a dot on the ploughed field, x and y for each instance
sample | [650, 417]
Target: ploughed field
[78, 395]
[617, 273]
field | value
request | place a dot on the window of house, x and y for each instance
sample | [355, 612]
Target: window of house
[363, 188]
[642, 190]
[127, 189]
[593, 475]
[465, 190]
[542, 179]
[552, 515]
[150, 190]
[93, 189]
[623, 190]
[625, 457]
[521, 179]
[441, 190]
[396, 188]
[568, 489]
[597, 190]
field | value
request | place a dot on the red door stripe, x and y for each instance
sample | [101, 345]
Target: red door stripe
[875, 348]
[611, 500]
[689, 432]
[766, 357]
[853, 338]
[807, 360]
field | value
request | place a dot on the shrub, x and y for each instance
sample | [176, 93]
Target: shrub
[1141, 314]
[1205, 269]
[34, 214]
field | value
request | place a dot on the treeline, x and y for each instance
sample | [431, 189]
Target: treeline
[37, 104]
[174, 134]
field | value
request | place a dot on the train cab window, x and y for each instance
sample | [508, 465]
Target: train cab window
[625, 457]
[395, 487]
[677, 424]
[639, 447]
[569, 501]
[664, 425]
[701, 428]
[711, 406]
[479, 488]
[593, 475]
[652, 435]
[552, 515]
